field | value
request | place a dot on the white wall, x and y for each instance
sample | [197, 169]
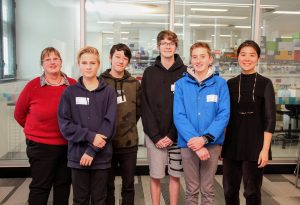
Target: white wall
[39, 25]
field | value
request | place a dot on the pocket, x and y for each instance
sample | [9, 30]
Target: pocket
[30, 149]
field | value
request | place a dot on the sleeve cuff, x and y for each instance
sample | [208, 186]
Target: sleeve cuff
[89, 151]
[91, 137]
[209, 137]
[155, 139]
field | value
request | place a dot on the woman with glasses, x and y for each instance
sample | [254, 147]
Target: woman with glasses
[36, 112]
[246, 149]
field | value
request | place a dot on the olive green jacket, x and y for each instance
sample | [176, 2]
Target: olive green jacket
[128, 91]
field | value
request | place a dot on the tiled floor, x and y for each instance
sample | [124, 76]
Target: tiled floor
[276, 190]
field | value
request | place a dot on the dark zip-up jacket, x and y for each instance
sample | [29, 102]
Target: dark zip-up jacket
[157, 99]
[128, 90]
[81, 115]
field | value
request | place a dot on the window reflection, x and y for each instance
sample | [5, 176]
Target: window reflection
[280, 60]
[222, 24]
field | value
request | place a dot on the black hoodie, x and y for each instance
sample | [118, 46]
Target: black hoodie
[157, 99]
[81, 115]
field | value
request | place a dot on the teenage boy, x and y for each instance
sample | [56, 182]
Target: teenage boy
[125, 142]
[157, 117]
[87, 117]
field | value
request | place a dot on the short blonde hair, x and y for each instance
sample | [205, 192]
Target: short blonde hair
[90, 50]
[201, 45]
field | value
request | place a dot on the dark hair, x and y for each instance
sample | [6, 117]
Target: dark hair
[249, 43]
[170, 35]
[47, 51]
[121, 47]
[90, 50]
[200, 45]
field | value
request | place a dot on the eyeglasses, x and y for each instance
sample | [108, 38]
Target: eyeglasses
[165, 44]
[49, 60]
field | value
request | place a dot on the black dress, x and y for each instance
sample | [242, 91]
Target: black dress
[254, 114]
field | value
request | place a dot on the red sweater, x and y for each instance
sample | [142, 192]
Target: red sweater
[36, 111]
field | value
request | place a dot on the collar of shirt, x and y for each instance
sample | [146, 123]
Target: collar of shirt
[65, 81]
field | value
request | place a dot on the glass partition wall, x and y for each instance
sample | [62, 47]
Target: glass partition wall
[222, 24]
[38, 24]
[280, 43]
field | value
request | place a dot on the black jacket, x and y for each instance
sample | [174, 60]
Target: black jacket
[157, 99]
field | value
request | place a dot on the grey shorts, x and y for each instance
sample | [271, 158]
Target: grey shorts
[158, 159]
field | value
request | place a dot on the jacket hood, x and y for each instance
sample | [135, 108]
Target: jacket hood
[106, 74]
[101, 85]
[176, 66]
[126, 77]
[191, 74]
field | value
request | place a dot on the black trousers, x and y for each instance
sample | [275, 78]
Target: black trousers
[233, 172]
[48, 167]
[89, 186]
[123, 163]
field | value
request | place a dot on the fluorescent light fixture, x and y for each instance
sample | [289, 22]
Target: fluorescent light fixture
[109, 38]
[178, 24]
[140, 1]
[156, 15]
[286, 12]
[242, 26]
[210, 25]
[118, 8]
[205, 41]
[203, 9]
[190, 3]
[154, 23]
[269, 6]
[125, 22]
[107, 32]
[105, 22]
[286, 37]
[224, 35]
[219, 17]
[124, 38]
[124, 32]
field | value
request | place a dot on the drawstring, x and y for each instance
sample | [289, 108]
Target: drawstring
[122, 90]
[116, 89]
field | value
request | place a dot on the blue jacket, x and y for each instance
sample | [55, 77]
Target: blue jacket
[201, 109]
[81, 115]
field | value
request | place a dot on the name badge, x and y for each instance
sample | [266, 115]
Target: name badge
[173, 87]
[82, 101]
[211, 98]
[120, 100]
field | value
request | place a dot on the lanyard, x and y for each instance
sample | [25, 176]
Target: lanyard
[240, 87]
